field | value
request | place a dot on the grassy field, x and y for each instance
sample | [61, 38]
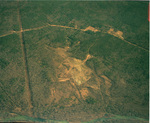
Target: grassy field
[55, 43]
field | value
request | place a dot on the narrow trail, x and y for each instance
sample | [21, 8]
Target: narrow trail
[67, 27]
[63, 26]
[135, 45]
[27, 80]
[37, 28]
[10, 33]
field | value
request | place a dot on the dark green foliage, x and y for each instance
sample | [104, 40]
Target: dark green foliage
[9, 42]
[3, 63]
[45, 76]
[124, 64]
[90, 100]
[44, 64]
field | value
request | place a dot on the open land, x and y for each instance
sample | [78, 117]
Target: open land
[72, 61]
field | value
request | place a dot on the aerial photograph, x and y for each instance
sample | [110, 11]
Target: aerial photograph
[74, 61]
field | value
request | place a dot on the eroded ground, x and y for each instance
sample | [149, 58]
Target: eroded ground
[78, 78]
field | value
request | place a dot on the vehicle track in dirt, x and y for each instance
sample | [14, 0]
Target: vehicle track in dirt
[135, 45]
[67, 27]
[27, 79]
